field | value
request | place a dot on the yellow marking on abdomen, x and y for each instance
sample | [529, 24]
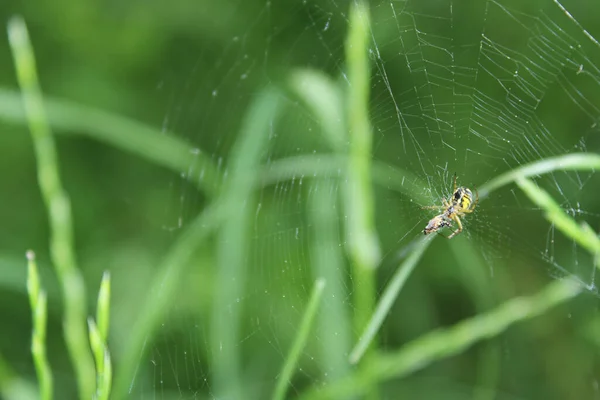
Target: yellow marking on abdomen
[465, 202]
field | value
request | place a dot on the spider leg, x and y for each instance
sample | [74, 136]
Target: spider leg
[460, 228]
[454, 190]
[432, 208]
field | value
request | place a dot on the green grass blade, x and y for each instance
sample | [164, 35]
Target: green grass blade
[567, 162]
[443, 343]
[234, 236]
[324, 166]
[327, 261]
[481, 287]
[162, 149]
[361, 236]
[98, 339]
[581, 234]
[389, 296]
[324, 99]
[160, 295]
[103, 307]
[106, 381]
[59, 209]
[300, 341]
[447, 342]
[100, 350]
[39, 310]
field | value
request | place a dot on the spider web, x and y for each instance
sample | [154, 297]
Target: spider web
[465, 88]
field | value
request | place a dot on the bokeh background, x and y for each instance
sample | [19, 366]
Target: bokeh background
[191, 69]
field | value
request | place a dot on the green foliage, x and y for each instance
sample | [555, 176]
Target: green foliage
[337, 326]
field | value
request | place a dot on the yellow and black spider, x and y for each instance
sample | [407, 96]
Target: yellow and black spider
[457, 206]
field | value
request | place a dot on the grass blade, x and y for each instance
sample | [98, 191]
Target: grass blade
[232, 248]
[103, 307]
[481, 289]
[160, 295]
[443, 343]
[447, 342]
[580, 233]
[334, 325]
[567, 162]
[300, 341]
[362, 242]
[37, 299]
[162, 149]
[98, 339]
[324, 99]
[388, 298]
[59, 209]
[100, 350]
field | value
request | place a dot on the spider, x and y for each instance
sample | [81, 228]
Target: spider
[460, 204]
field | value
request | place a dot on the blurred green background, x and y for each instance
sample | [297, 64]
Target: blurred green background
[522, 86]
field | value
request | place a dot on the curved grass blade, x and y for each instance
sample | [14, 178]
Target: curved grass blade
[580, 233]
[567, 162]
[166, 150]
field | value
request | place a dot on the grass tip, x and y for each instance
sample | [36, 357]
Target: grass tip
[30, 254]
[17, 31]
[320, 284]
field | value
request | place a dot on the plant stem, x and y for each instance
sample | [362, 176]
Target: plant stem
[59, 210]
[39, 310]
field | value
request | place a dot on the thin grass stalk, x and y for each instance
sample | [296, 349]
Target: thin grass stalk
[327, 261]
[37, 300]
[100, 350]
[446, 342]
[362, 242]
[480, 287]
[103, 307]
[98, 332]
[161, 294]
[291, 361]
[59, 210]
[581, 233]
[232, 248]
[387, 299]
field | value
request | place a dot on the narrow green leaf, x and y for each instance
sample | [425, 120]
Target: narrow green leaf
[387, 299]
[39, 310]
[566, 162]
[582, 234]
[446, 342]
[232, 248]
[103, 310]
[324, 99]
[300, 341]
